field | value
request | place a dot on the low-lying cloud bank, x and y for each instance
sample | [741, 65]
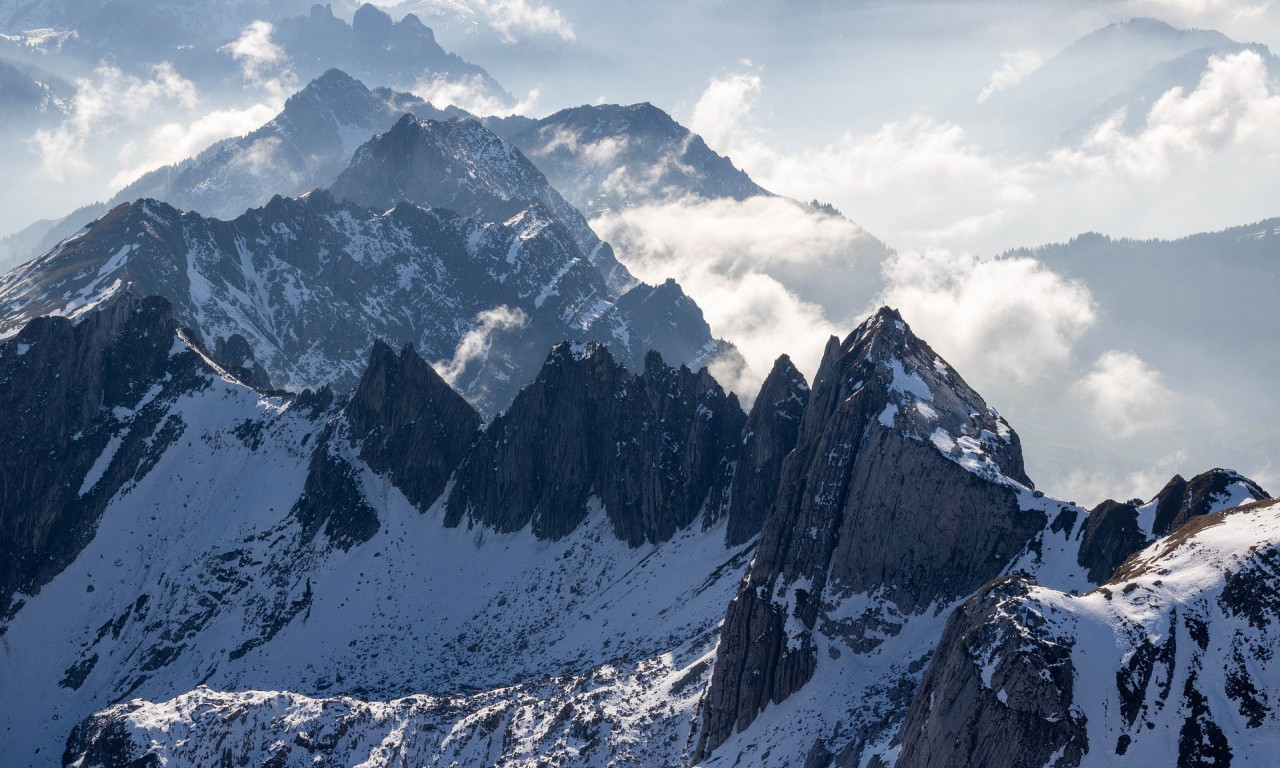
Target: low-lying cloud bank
[922, 183]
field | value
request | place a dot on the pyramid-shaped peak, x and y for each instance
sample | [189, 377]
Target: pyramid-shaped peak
[883, 366]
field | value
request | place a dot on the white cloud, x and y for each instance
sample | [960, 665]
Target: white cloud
[104, 103]
[475, 343]
[510, 17]
[770, 275]
[1232, 107]
[1125, 395]
[1203, 158]
[1003, 319]
[1016, 65]
[255, 50]
[471, 94]
[1091, 487]
[917, 182]
[263, 63]
[173, 142]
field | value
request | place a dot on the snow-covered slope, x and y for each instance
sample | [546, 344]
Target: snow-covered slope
[460, 164]
[1171, 662]
[311, 284]
[245, 541]
[276, 584]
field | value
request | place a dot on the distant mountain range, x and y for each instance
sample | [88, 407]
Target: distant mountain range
[1126, 66]
[310, 283]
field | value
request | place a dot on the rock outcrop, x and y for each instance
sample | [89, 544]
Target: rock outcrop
[1169, 661]
[999, 691]
[412, 426]
[1115, 530]
[770, 434]
[655, 449]
[69, 433]
[903, 483]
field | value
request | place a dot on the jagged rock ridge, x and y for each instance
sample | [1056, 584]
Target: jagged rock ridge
[311, 284]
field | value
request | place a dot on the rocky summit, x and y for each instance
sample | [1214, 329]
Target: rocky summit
[623, 567]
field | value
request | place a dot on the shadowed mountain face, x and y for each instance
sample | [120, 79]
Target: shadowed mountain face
[575, 561]
[310, 284]
[607, 156]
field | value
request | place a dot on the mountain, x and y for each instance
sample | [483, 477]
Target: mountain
[1169, 661]
[459, 164]
[321, 579]
[1126, 65]
[258, 540]
[311, 284]
[31, 97]
[311, 141]
[400, 54]
[608, 156]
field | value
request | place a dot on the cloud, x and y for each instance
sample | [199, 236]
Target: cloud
[1091, 487]
[510, 17]
[1016, 66]
[263, 63]
[771, 275]
[723, 114]
[103, 103]
[173, 142]
[255, 51]
[1126, 395]
[475, 343]
[1003, 319]
[1233, 106]
[471, 94]
[1202, 158]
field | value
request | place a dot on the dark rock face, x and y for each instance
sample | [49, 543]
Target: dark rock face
[60, 385]
[655, 448]
[902, 479]
[332, 499]
[412, 426]
[1112, 532]
[998, 691]
[1180, 500]
[236, 356]
[770, 434]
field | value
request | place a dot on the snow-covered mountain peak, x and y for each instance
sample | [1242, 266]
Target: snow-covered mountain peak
[882, 364]
[461, 165]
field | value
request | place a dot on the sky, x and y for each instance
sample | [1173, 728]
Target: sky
[920, 122]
